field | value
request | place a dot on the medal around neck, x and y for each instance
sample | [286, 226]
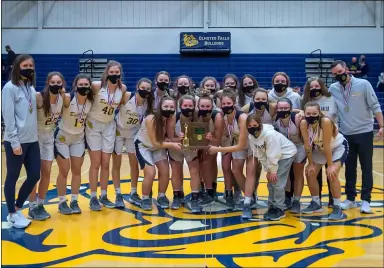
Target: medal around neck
[194, 135]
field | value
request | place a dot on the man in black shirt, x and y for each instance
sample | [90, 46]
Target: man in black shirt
[363, 69]
[10, 59]
[353, 66]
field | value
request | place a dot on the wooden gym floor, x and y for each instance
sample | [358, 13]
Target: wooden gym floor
[216, 238]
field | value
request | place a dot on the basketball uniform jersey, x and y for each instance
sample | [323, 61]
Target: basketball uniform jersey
[47, 124]
[104, 105]
[73, 118]
[316, 140]
[266, 118]
[291, 132]
[231, 132]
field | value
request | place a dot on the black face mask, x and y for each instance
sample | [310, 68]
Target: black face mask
[260, 105]
[227, 109]
[279, 88]
[114, 78]
[83, 91]
[315, 92]
[27, 73]
[143, 93]
[167, 113]
[205, 113]
[55, 89]
[282, 114]
[254, 131]
[341, 78]
[162, 85]
[248, 89]
[187, 112]
[231, 87]
[183, 89]
[312, 119]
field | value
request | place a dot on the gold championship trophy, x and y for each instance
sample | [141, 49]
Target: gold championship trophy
[194, 135]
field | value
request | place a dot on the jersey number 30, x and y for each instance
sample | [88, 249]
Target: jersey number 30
[132, 121]
[109, 110]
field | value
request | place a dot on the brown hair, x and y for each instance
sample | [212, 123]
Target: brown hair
[205, 79]
[259, 90]
[234, 77]
[46, 101]
[15, 74]
[104, 75]
[241, 88]
[90, 95]
[167, 74]
[252, 117]
[151, 98]
[337, 62]
[158, 121]
[307, 88]
[187, 97]
[314, 104]
[282, 74]
[229, 93]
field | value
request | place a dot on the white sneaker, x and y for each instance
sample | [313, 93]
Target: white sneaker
[348, 204]
[18, 220]
[365, 207]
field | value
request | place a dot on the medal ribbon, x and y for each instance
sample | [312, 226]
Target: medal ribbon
[289, 125]
[312, 137]
[78, 110]
[230, 128]
[140, 110]
[28, 95]
[53, 113]
[110, 102]
[346, 93]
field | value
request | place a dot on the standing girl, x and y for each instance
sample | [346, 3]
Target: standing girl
[20, 137]
[248, 85]
[69, 141]
[151, 145]
[135, 106]
[100, 131]
[162, 82]
[49, 106]
[323, 145]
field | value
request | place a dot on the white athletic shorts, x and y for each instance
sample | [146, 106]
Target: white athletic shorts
[340, 153]
[179, 156]
[301, 156]
[148, 156]
[67, 145]
[125, 139]
[242, 154]
[46, 143]
[100, 136]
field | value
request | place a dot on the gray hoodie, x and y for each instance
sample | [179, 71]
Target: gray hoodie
[20, 124]
[289, 94]
[271, 147]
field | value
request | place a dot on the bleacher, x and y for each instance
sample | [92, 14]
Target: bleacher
[136, 66]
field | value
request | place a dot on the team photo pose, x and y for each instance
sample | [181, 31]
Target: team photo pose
[135, 106]
[187, 106]
[49, 106]
[208, 162]
[233, 147]
[288, 124]
[20, 137]
[69, 141]
[323, 145]
[100, 132]
[151, 146]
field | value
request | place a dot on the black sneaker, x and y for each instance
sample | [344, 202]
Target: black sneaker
[270, 211]
[276, 215]
[287, 203]
[206, 200]
[312, 208]
[74, 205]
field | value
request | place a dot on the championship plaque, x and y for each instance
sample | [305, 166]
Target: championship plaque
[194, 135]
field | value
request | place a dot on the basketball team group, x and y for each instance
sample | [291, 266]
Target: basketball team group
[288, 135]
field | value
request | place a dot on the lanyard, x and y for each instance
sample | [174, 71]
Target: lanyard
[110, 102]
[312, 137]
[28, 96]
[53, 113]
[140, 110]
[289, 126]
[346, 93]
[78, 110]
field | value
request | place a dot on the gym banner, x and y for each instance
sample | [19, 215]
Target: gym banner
[216, 42]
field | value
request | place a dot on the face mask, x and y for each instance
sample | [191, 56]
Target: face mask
[183, 89]
[312, 119]
[83, 91]
[167, 113]
[314, 93]
[55, 89]
[205, 113]
[27, 73]
[260, 105]
[231, 87]
[227, 109]
[279, 88]
[254, 131]
[162, 85]
[282, 114]
[114, 78]
[248, 89]
[187, 112]
[143, 93]
[341, 78]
